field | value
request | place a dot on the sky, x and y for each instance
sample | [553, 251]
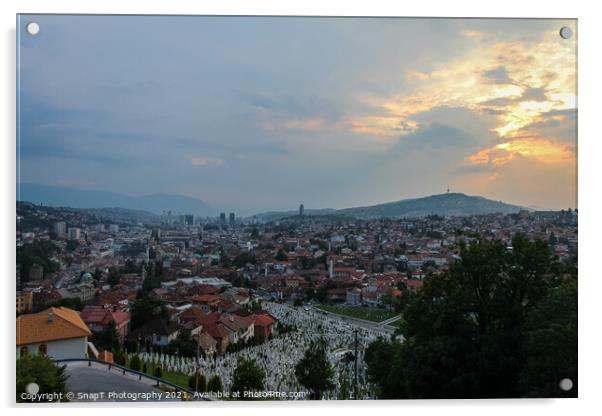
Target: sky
[265, 113]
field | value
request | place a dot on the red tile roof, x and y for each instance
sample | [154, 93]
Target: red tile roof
[205, 298]
[102, 316]
[263, 320]
[414, 283]
[53, 324]
[216, 330]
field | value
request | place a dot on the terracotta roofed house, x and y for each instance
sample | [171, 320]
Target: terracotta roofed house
[99, 318]
[157, 332]
[206, 302]
[193, 315]
[264, 324]
[220, 333]
[242, 328]
[59, 333]
[207, 343]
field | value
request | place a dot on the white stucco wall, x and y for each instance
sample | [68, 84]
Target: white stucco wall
[59, 350]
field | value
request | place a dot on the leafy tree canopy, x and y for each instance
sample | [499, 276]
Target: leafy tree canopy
[314, 371]
[41, 370]
[484, 329]
[215, 384]
[248, 376]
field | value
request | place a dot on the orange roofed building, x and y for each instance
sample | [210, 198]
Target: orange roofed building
[59, 333]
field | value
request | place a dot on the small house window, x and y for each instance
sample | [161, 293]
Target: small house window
[42, 349]
[23, 352]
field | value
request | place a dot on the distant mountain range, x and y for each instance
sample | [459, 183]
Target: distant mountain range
[57, 196]
[122, 215]
[29, 220]
[444, 204]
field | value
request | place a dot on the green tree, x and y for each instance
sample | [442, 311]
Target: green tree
[281, 256]
[197, 382]
[119, 356]
[184, 345]
[321, 294]
[466, 330]
[254, 305]
[551, 344]
[97, 274]
[107, 339]
[71, 245]
[344, 393]
[243, 258]
[153, 277]
[314, 371]
[71, 303]
[248, 376]
[146, 309]
[38, 252]
[215, 384]
[225, 261]
[158, 372]
[41, 370]
[135, 363]
[380, 357]
[114, 277]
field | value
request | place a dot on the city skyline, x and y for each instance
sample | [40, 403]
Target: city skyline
[264, 113]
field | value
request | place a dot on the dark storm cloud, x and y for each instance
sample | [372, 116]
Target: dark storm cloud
[534, 94]
[436, 136]
[528, 94]
[498, 75]
[311, 105]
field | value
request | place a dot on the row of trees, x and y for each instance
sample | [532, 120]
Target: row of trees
[198, 382]
[500, 323]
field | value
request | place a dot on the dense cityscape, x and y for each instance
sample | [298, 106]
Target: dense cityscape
[193, 300]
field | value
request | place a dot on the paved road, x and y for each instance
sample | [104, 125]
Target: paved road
[390, 320]
[374, 326]
[89, 384]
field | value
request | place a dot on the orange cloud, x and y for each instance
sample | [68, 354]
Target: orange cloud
[542, 150]
[546, 64]
[472, 34]
[524, 180]
[518, 84]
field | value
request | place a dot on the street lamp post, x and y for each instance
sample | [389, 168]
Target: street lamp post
[355, 365]
[196, 383]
